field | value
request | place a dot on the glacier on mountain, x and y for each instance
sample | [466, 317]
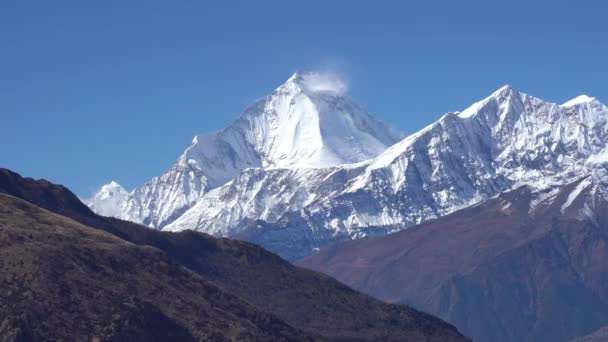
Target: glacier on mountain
[506, 140]
[306, 167]
[308, 122]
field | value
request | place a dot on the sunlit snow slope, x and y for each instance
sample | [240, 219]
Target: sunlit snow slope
[308, 122]
[305, 167]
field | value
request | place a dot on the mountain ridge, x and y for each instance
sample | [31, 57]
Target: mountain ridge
[522, 266]
[506, 140]
[503, 141]
[52, 264]
[304, 123]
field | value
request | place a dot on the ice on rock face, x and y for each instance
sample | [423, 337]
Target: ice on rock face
[308, 122]
[582, 185]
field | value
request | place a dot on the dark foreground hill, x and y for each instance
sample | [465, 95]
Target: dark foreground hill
[517, 267]
[63, 280]
[148, 279]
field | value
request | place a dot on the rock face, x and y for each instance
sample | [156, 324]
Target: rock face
[305, 168]
[172, 277]
[522, 266]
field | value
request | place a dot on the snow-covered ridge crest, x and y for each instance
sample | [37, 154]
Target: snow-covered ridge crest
[578, 100]
[504, 141]
[519, 133]
[477, 106]
[307, 122]
[300, 169]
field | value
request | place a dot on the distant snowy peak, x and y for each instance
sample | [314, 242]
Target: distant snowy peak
[310, 122]
[315, 168]
[307, 122]
[475, 108]
[111, 190]
[480, 120]
[503, 141]
[514, 125]
[578, 100]
[108, 200]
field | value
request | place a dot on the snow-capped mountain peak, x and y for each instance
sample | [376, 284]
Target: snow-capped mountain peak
[578, 100]
[108, 199]
[504, 92]
[505, 140]
[514, 125]
[306, 122]
[311, 167]
[111, 189]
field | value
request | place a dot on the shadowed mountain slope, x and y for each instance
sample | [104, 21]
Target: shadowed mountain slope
[62, 280]
[522, 266]
[306, 300]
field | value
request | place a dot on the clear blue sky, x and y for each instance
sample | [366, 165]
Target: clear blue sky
[92, 91]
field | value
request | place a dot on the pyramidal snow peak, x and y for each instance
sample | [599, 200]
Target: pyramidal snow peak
[305, 167]
[108, 200]
[307, 122]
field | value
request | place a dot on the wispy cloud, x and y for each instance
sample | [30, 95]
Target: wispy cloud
[324, 81]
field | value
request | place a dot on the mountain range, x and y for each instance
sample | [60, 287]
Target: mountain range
[492, 218]
[303, 124]
[306, 167]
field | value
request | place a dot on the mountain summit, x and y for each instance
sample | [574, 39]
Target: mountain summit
[578, 100]
[305, 167]
[501, 142]
[108, 199]
[307, 122]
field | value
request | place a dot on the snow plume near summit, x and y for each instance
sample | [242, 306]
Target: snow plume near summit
[327, 81]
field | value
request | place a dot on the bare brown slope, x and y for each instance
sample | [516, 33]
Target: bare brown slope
[312, 302]
[494, 270]
[62, 280]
